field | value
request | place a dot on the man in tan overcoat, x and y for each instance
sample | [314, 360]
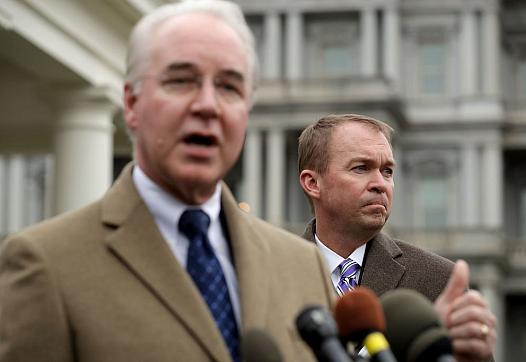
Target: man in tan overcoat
[125, 278]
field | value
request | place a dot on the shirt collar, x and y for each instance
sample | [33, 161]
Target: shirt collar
[167, 208]
[334, 260]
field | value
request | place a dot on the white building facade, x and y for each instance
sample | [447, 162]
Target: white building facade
[448, 75]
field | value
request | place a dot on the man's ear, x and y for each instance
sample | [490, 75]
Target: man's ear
[130, 113]
[309, 183]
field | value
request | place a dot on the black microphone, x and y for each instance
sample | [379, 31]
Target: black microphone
[360, 319]
[414, 328]
[318, 329]
[259, 346]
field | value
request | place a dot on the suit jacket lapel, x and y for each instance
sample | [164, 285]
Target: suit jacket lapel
[138, 244]
[251, 256]
[383, 251]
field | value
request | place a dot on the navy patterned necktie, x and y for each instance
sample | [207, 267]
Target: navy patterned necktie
[204, 268]
[349, 276]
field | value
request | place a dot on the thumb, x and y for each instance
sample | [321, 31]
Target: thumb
[456, 286]
[458, 282]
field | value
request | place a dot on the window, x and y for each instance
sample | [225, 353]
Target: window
[432, 68]
[430, 183]
[432, 62]
[432, 195]
[332, 42]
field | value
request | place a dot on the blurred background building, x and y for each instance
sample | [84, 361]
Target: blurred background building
[448, 75]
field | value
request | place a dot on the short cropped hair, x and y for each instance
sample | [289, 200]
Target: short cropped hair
[139, 47]
[314, 141]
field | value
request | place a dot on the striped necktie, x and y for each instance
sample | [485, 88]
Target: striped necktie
[349, 276]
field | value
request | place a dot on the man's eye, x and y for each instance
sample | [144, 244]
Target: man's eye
[388, 172]
[360, 168]
[178, 81]
[229, 88]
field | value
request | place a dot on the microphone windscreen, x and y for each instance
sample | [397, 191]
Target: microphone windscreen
[357, 313]
[430, 344]
[315, 325]
[408, 314]
[259, 346]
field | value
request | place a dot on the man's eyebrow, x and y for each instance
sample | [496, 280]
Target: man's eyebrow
[229, 73]
[233, 74]
[365, 159]
[179, 66]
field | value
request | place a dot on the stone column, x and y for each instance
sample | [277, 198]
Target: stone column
[491, 52]
[369, 37]
[468, 58]
[470, 200]
[492, 186]
[35, 190]
[294, 45]
[272, 53]
[15, 193]
[83, 149]
[275, 191]
[391, 46]
[252, 164]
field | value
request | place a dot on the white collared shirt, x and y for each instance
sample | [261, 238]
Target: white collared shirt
[334, 260]
[166, 210]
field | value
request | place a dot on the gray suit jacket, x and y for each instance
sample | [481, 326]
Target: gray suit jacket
[101, 284]
[391, 264]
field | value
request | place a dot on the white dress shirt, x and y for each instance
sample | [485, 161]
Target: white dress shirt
[166, 210]
[334, 260]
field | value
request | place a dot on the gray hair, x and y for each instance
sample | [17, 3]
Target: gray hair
[140, 39]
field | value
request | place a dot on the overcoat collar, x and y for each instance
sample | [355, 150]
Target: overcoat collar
[139, 245]
[382, 270]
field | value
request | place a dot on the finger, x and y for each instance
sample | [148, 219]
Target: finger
[457, 283]
[471, 297]
[472, 313]
[474, 330]
[473, 348]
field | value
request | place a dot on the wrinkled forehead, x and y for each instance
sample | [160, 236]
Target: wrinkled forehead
[357, 137]
[203, 34]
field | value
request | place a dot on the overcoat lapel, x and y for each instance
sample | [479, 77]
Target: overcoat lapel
[138, 244]
[382, 251]
[251, 256]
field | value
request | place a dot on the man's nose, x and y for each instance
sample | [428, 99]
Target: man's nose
[379, 182]
[206, 102]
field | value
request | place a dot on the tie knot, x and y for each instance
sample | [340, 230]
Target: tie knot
[194, 222]
[348, 268]
[349, 276]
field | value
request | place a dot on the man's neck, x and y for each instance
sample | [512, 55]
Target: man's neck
[343, 241]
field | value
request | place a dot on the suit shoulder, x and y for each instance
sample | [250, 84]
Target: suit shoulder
[425, 271]
[72, 225]
[416, 252]
[279, 237]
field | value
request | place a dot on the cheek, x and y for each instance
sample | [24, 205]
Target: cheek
[235, 129]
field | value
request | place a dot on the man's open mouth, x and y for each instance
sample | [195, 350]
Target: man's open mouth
[201, 140]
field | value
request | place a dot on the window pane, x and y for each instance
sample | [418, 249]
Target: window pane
[432, 68]
[332, 43]
[337, 61]
[432, 194]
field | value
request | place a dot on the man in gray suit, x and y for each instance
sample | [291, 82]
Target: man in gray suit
[165, 267]
[346, 170]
